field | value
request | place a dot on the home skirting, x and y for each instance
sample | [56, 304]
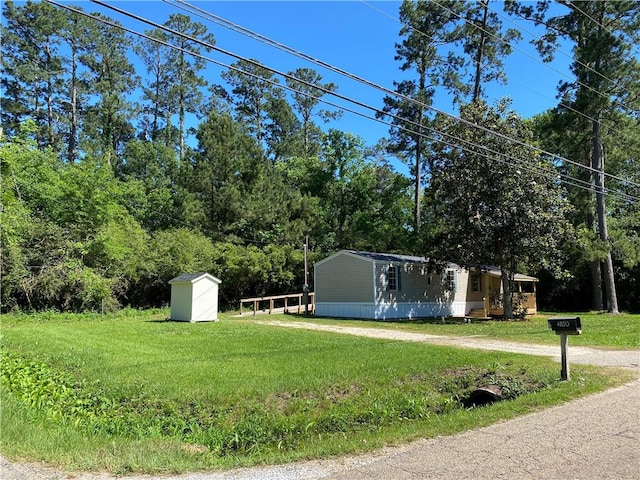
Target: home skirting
[388, 311]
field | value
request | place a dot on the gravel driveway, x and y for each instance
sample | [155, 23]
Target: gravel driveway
[596, 437]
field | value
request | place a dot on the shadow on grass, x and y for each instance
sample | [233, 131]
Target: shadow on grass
[430, 321]
[410, 321]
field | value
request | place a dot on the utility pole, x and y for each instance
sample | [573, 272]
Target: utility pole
[305, 288]
[306, 264]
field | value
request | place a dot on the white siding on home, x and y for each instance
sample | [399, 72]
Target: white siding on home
[390, 311]
[345, 310]
[343, 278]
[419, 310]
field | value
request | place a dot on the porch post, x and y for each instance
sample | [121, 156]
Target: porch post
[485, 288]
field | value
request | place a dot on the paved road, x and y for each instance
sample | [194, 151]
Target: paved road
[597, 437]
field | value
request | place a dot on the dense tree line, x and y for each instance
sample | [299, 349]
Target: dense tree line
[106, 199]
[108, 192]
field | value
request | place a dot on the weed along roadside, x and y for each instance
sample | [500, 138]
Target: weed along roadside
[130, 394]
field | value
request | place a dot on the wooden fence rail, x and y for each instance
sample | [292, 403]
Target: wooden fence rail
[257, 302]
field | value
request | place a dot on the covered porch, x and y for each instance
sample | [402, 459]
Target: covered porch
[524, 293]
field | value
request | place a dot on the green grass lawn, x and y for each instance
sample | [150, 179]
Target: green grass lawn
[598, 330]
[132, 392]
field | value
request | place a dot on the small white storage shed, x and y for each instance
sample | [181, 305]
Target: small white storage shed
[194, 297]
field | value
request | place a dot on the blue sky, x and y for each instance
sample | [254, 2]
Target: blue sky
[356, 36]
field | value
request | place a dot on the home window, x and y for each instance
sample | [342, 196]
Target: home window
[392, 278]
[450, 280]
[475, 282]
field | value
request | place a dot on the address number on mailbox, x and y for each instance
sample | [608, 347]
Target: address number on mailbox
[566, 325]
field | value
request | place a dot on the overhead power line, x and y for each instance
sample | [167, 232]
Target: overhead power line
[564, 54]
[520, 163]
[588, 87]
[537, 92]
[572, 4]
[186, 6]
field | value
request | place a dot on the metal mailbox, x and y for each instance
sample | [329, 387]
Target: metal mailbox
[565, 325]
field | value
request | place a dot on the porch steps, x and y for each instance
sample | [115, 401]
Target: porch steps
[477, 314]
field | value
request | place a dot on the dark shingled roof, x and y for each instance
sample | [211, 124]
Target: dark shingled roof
[187, 277]
[389, 257]
[192, 277]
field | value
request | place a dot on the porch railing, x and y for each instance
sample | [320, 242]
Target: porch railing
[259, 302]
[528, 302]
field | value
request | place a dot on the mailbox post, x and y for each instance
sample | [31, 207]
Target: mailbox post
[565, 326]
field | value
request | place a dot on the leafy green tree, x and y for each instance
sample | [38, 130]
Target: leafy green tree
[246, 199]
[170, 253]
[556, 131]
[118, 250]
[179, 251]
[343, 156]
[497, 202]
[245, 270]
[625, 237]
[70, 244]
[250, 271]
[359, 198]
[273, 212]
[18, 205]
[156, 167]
[391, 214]
[92, 197]
[309, 178]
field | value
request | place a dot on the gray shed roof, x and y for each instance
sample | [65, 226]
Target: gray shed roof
[194, 277]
